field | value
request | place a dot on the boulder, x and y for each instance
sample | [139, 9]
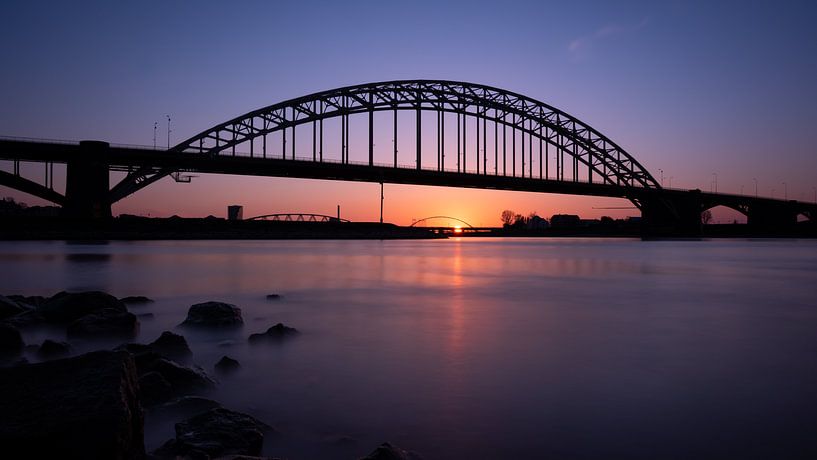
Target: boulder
[173, 346]
[67, 307]
[388, 451]
[274, 334]
[217, 432]
[105, 323]
[182, 379]
[273, 296]
[10, 307]
[82, 407]
[32, 301]
[185, 406]
[11, 342]
[135, 300]
[227, 365]
[154, 389]
[51, 349]
[213, 314]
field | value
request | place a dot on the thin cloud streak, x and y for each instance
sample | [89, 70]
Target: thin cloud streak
[582, 43]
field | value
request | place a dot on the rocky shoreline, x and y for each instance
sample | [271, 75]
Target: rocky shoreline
[93, 405]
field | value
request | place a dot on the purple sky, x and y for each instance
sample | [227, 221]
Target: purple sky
[691, 88]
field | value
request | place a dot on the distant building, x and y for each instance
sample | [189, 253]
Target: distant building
[235, 212]
[537, 223]
[564, 221]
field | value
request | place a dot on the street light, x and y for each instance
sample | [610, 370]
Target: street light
[755, 179]
[715, 175]
[785, 192]
[168, 131]
[662, 176]
[670, 181]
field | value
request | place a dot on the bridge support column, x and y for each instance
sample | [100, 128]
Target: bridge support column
[87, 182]
[671, 216]
[771, 217]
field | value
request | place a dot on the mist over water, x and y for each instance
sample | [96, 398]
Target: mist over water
[482, 348]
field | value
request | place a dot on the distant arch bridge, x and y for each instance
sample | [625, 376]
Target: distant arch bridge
[298, 217]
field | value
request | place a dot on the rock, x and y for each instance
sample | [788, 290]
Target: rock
[135, 300]
[51, 349]
[82, 407]
[217, 432]
[227, 365]
[9, 307]
[33, 301]
[274, 334]
[154, 389]
[145, 316]
[105, 323]
[182, 379]
[11, 342]
[273, 296]
[173, 346]
[387, 451]
[186, 406]
[213, 314]
[67, 307]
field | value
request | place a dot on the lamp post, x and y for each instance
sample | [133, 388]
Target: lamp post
[715, 181]
[662, 176]
[785, 191]
[155, 128]
[168, 131]
[755, 179]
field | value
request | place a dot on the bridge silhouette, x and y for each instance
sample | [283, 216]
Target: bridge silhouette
[505, 141]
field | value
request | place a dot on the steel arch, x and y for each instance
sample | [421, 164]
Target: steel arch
[601, 156]
[441, 217]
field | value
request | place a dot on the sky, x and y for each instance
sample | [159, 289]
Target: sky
[695, 91]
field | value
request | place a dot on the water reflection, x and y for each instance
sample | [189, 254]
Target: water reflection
[487, 348]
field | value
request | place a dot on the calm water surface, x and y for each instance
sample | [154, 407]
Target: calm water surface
[484, 348]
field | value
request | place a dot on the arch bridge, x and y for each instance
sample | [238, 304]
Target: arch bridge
[298, 217]
[463, 135]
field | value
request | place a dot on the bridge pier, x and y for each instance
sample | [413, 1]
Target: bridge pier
[771, 217]
[671, 216]
[87, 182]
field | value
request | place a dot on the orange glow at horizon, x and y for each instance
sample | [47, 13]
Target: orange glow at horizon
[211, 194]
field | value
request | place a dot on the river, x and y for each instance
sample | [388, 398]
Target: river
[484, 348]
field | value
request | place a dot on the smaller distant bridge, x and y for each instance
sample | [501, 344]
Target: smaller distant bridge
[425, 219]
[298, 217]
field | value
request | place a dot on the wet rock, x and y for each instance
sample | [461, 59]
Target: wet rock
[66, 307]
[186, 406]
[227, 365]
[388, 451]
[154, 389]
[9, 307]
[173, 346]
[81, 407]
[33, 301]
[11, 342]
[51, 349]
[136, 300]
[217, 432]
[181, 378]
[105, 323]
[273, 296]
[142, 354]
[274, 334]
[213, 314]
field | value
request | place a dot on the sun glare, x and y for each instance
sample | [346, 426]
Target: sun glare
[457, 229]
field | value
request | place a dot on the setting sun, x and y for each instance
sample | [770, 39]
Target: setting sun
[457, 229]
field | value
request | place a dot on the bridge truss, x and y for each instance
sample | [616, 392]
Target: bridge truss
[525, 132]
